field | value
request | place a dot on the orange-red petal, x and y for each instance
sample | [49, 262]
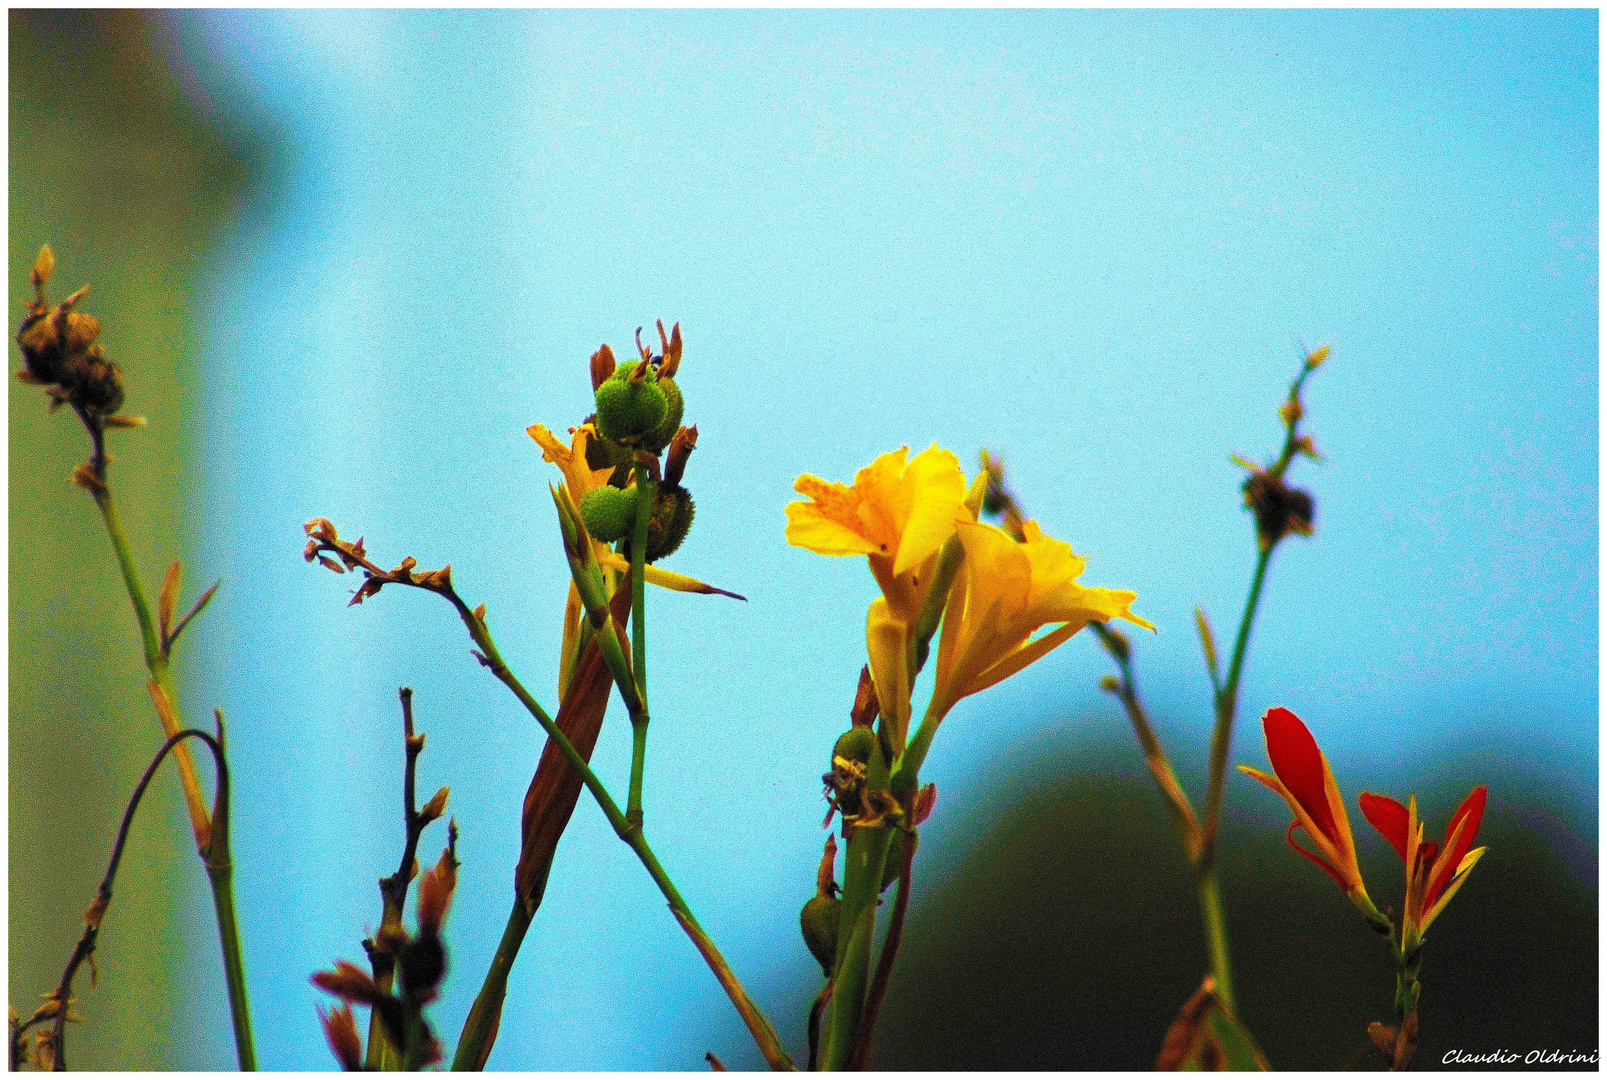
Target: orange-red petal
[1472, 809]
[1388, 817]
[1298, 763]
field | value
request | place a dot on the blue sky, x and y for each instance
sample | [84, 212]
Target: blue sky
[1091, 241]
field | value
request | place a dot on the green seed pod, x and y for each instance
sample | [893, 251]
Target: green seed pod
[627, 409]
[672, 520]
[854, 744]
[603, 454]
[657, 439]
[819, 923]
[609, 513]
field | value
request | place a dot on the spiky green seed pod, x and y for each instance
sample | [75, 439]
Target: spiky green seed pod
[609, 513]
[671, 521]
[629, 408]
[673, 511]
[656, 440]
[818, 921]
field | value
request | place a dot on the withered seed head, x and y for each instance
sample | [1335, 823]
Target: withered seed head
[1279, 509]
[92, 382]
[670, 362]
[59, 351]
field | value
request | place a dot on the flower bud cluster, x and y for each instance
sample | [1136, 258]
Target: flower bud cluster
[60, 352]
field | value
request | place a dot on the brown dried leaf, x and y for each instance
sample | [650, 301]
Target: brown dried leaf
[340, 1028]
[1183, 1038]
[85, 478]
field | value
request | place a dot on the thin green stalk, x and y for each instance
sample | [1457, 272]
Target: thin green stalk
[1216, 936]
[645, 489]
[136, 592]
[474, 1045]
[639, 717]
[1226, 704]
[907, 771]
[234, 973]
[760, 1028]
[859, 1059]
[1205, 864]
[1176, 799]
[222, 878]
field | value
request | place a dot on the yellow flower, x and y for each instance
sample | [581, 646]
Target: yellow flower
[1004, 591]
[898, 514]
[579, 477]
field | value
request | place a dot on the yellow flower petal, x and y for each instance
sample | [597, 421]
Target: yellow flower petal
[935, 490]
[1020, 658]
[667, 579]
[571, 460]
[1005, 590]
[1469, 861]
[817, 527]
[1346, 847]
[897, 511]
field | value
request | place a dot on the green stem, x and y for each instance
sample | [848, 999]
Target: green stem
[1176, 799]
[633, 806]
[1226, 704]
[136, 592]
[480, 1029]
[862, 879]
[760, 1028]
[639, 717]
[219, 871]
[222, 878]
[907, 770]
[1216, 936]
[645, 489]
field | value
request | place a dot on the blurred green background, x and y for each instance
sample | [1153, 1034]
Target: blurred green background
[1054, 924]
[114, 169]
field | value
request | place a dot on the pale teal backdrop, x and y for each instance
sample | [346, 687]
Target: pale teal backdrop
[1094, 242]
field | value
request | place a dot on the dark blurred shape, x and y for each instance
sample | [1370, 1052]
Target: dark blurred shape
[1068, 934]
[111, 166]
